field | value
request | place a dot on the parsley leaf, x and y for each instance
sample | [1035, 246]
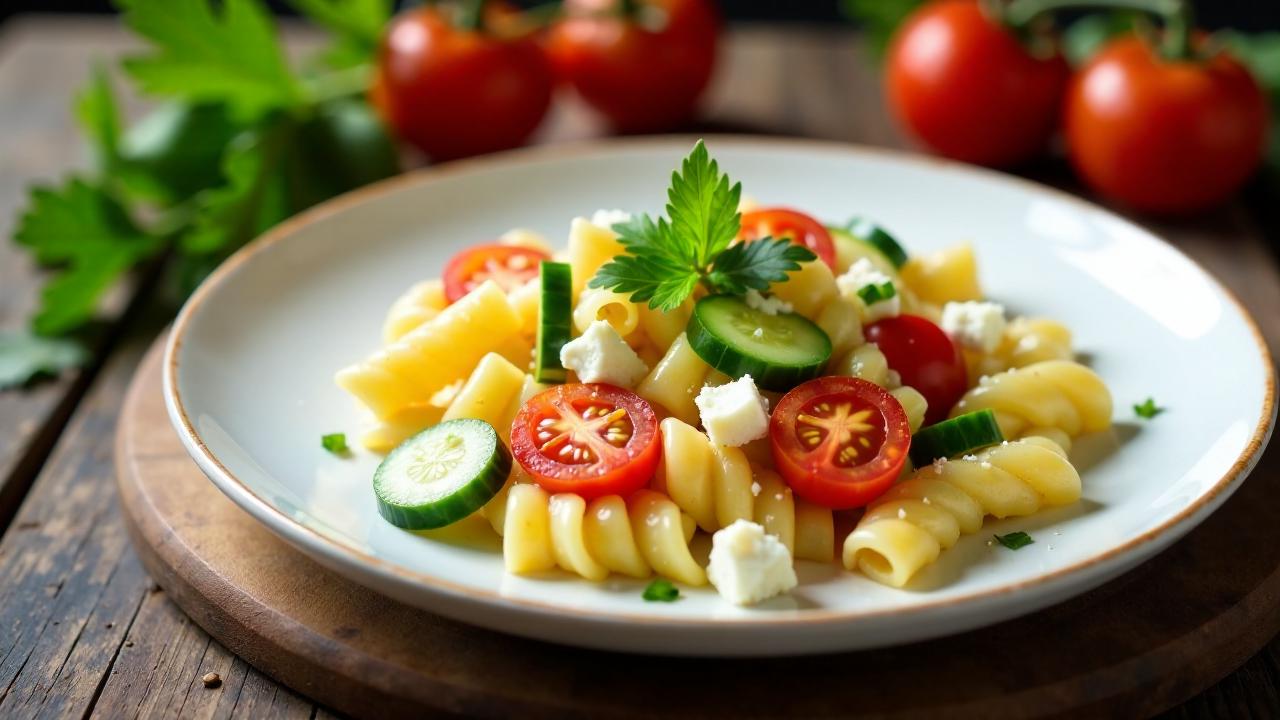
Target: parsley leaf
[95, 109]
[879, 18]
[1147, 409]
[24, 356]
[703, 207]
[85, 232]
[661, 590]
[355, 24]
[666, 259]
[1014, 540]
[251, 200]
[232, 56]
[754, 265]
[335, 443]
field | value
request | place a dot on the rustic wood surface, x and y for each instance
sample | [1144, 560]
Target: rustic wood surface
[83, 629]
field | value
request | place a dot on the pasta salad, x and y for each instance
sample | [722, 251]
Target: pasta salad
[795, 390]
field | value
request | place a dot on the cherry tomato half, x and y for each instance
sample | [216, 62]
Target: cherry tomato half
[644, 73]
[1164, 136]
[784, 223]
[591, 439]
[839, 441]
[968, 89]
[454, 92]
[926, 359]
[508, 265]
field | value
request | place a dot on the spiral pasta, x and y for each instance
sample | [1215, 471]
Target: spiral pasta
[442, 350]
[633, 537]
[716, 485]
[1026, 341]
[812, 292]
[1058, 399]
[676, 380]
[417, 305]
[909, 526]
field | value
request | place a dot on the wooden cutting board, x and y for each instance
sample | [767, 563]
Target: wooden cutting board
[1135, 646]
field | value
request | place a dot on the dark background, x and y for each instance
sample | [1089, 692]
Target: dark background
[1251, 15]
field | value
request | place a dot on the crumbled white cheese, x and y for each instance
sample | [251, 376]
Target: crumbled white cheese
[770, 305]
[608, 218]
[974, 325]
[861, 274]
[601, 355]
[734, 413]
[747, 565]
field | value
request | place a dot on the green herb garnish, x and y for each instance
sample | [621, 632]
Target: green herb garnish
[873, 293]
[24, 356]
[1014, 540]
[667, 258]
[1147, 409]
[335, 443]
[661, 590]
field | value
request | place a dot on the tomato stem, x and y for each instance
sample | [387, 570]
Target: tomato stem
[1176, 16]
[470, 15]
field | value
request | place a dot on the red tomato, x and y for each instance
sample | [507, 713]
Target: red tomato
[644, 73]
[926, 359]
[839, 441]
[798, 227]
[965, 86]
[508, 265]
[591, 439]
[1164, 136]
[454, 92]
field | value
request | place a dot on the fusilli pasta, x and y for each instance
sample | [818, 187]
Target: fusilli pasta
[1058, 399]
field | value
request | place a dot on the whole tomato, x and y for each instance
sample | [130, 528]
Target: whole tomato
[643, 65]
[454, 91]
[967, 88]
[1164, 136]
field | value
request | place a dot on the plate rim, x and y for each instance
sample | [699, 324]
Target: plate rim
[284, 526]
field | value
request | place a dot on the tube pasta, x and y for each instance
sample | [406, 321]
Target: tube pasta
[676, 380]
[908, 527]
[632, 537]
[433, 355]
[615, 309]
[1059, 399]
[590, 246]
[944, 276]
[812, 292]
[524, 237]
[417, 305]
[662, 328]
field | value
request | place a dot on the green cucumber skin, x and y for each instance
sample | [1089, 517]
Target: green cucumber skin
[470, 497]
[967, 432]
[554, 322]
[735, 363]
[879, 238]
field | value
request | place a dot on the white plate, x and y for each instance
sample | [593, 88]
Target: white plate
[251, 360]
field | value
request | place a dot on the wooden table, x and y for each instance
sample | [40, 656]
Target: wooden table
[84, 631]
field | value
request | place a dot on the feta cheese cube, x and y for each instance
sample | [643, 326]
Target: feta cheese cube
[861, 274]
[735, 413]
[747, 565]
[601, 355]
[975, 325]
[608, 218]
[769, 305]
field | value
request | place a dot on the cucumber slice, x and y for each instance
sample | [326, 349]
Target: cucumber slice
[555, 315]
[778, 351]
[957, 436]
[879, 238]
[441, 475]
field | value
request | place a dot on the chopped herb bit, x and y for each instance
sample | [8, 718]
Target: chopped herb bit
[1147, 409]
[667, 258]
[661, 591]
[873, 293]
[1014, 540]
[335, 443]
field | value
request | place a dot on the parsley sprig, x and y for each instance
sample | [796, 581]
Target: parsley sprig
[239, 140]
[667, 258]
[1015, 540]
